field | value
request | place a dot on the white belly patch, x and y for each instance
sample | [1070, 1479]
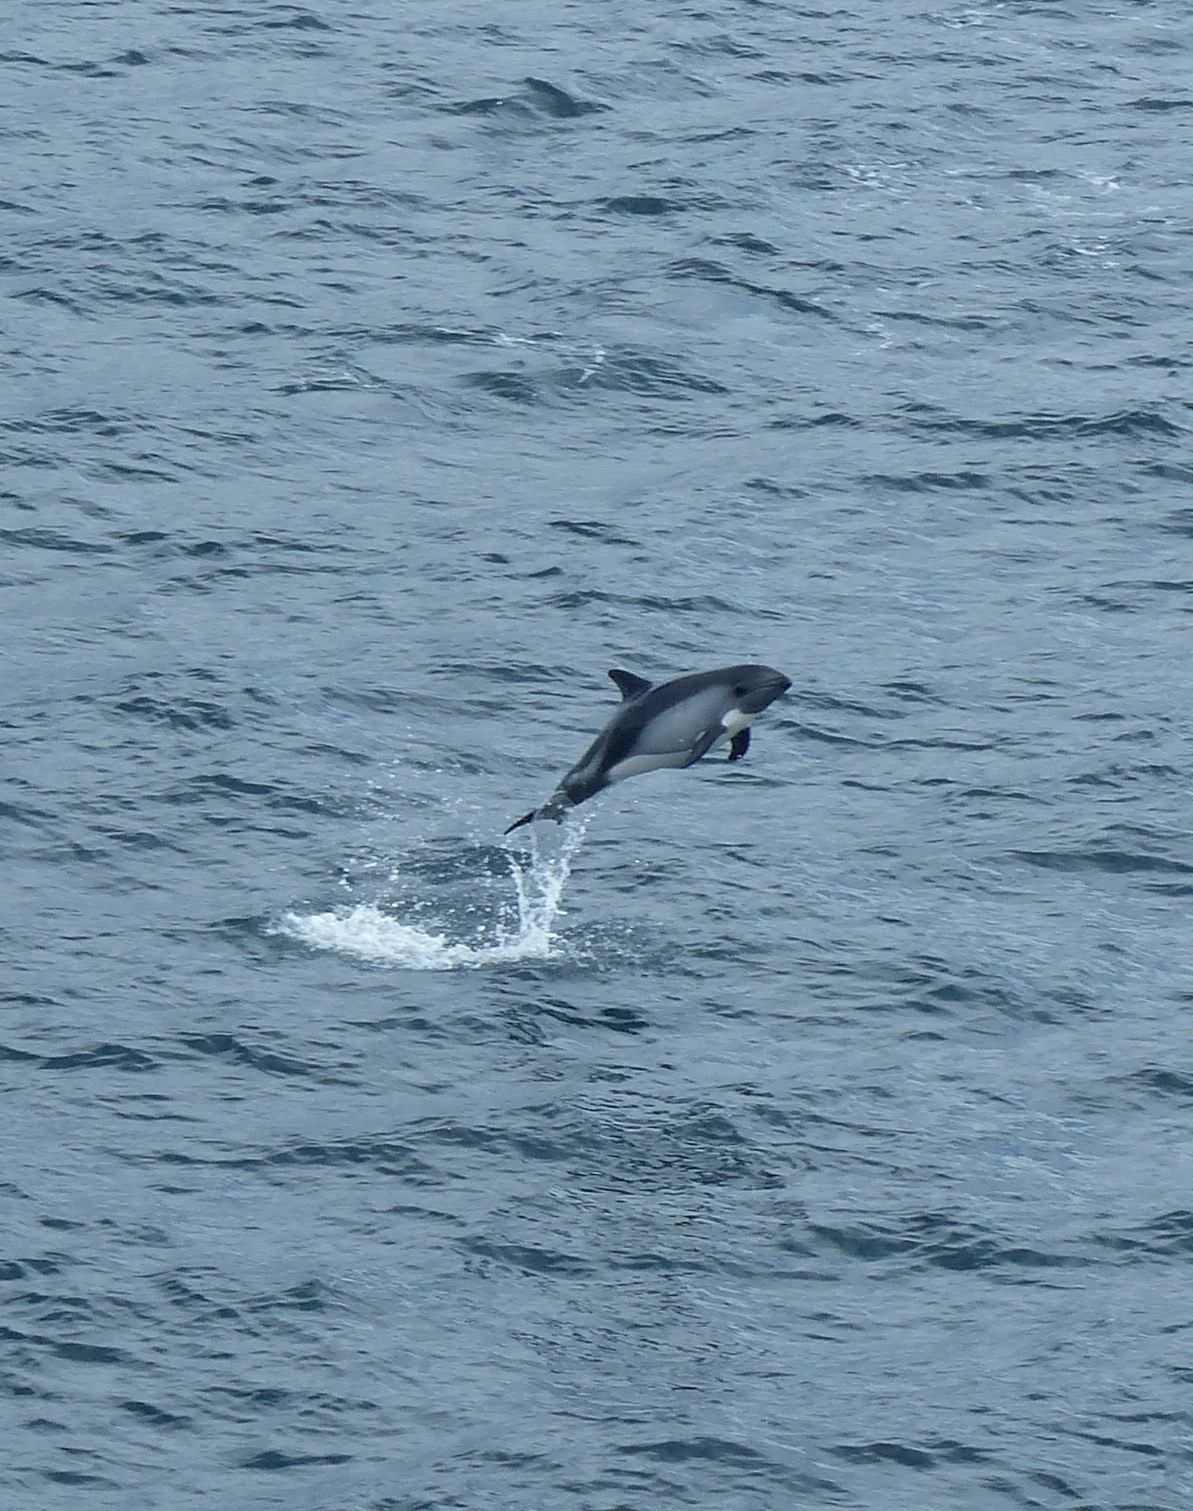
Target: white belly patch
[636, 765]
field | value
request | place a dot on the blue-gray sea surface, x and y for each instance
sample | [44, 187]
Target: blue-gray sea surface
[815, 1131]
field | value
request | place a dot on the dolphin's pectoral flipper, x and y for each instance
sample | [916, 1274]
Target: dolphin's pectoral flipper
[705, 743]
[628, 684]
[739, 744]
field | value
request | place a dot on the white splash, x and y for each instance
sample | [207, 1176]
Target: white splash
[370, 933]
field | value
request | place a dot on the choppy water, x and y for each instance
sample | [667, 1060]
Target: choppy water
[808, 1132]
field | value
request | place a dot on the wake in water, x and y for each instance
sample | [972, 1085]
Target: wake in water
[370, 933]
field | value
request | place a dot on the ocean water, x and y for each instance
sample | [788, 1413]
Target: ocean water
[808, 1132]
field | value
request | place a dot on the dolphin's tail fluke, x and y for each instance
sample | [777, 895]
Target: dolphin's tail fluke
[555, 808]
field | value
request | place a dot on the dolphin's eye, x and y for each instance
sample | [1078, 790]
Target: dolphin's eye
[740, 690]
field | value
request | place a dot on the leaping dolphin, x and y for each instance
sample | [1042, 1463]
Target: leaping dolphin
[673, 724]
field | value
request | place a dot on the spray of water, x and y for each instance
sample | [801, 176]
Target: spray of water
[372, 934]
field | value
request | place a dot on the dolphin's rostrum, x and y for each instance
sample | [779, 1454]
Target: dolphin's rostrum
[673, 724]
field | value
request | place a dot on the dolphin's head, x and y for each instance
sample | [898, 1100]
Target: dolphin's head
[754, 688]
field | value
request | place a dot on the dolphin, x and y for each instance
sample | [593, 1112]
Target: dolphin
[673, 724]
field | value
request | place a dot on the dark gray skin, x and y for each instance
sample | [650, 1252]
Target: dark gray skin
[674, 724]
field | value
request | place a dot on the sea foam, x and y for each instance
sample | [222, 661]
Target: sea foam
[372, 933]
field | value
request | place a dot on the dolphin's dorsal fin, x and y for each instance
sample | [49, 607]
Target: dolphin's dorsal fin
[628, 685]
